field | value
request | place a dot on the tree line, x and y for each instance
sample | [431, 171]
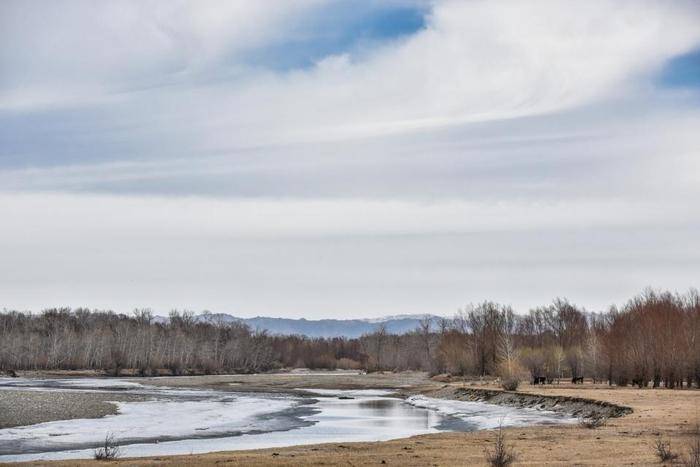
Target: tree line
[653, 340]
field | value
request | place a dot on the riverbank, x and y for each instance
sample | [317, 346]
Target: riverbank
[570, 405]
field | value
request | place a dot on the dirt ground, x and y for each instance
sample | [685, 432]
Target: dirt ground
[671, 414]
[286, 382]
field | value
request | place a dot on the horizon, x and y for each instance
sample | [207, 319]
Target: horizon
[381, 318]
[311, 159]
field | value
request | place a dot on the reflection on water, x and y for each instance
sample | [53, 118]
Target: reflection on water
[376, 415]
[378, 404]
[391, 410]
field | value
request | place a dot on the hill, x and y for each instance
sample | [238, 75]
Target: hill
[400, 324]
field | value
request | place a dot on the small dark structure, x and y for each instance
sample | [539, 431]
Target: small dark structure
[577, 380]
[539, 380]
[640, 383]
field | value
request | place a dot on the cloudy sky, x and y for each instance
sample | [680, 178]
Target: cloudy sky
[347, 159]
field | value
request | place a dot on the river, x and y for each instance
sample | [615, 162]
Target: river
[174, 420]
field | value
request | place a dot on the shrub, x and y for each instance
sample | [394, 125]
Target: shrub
[662, 449]
[502, 454]
[109, 451]
[510, 384]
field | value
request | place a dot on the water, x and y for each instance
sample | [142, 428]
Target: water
[183, 421]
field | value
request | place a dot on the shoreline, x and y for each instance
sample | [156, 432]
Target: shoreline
[575, 406]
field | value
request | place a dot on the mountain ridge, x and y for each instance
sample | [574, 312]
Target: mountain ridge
[328, 327]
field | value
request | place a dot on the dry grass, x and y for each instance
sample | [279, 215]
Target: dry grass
[692, 458]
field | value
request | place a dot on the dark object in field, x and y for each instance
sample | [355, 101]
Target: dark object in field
[345, 398]
[539, 380]
[577, 380]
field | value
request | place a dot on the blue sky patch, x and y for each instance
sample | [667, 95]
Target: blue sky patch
[341, 28]
[681, 71]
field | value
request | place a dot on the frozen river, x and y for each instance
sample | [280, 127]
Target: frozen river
[184, 420]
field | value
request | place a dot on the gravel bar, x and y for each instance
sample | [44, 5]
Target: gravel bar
[19, 408]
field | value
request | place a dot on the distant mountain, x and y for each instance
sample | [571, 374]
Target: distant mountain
[399, 324]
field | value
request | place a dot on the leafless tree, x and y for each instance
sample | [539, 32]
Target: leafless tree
[653, 340]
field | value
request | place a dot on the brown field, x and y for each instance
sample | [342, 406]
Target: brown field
[629, 440]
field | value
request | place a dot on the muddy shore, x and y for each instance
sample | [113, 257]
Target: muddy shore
[576, 406]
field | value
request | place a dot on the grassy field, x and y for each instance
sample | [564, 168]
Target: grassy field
[628, 440]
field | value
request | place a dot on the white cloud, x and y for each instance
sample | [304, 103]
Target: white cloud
[77, 219]
[334, 258]
[83, 52]
[474, 61]
[637, 151]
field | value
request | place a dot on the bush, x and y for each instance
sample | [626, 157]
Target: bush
[510, 384]
[502, 455]
[662, 449]
[109, 451]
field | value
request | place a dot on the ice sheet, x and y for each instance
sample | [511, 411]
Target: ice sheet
[488, 416]
[350, 392]
[151, 420]
[336, 420]
[69, 383]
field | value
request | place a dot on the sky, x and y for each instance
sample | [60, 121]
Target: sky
[334, 159]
